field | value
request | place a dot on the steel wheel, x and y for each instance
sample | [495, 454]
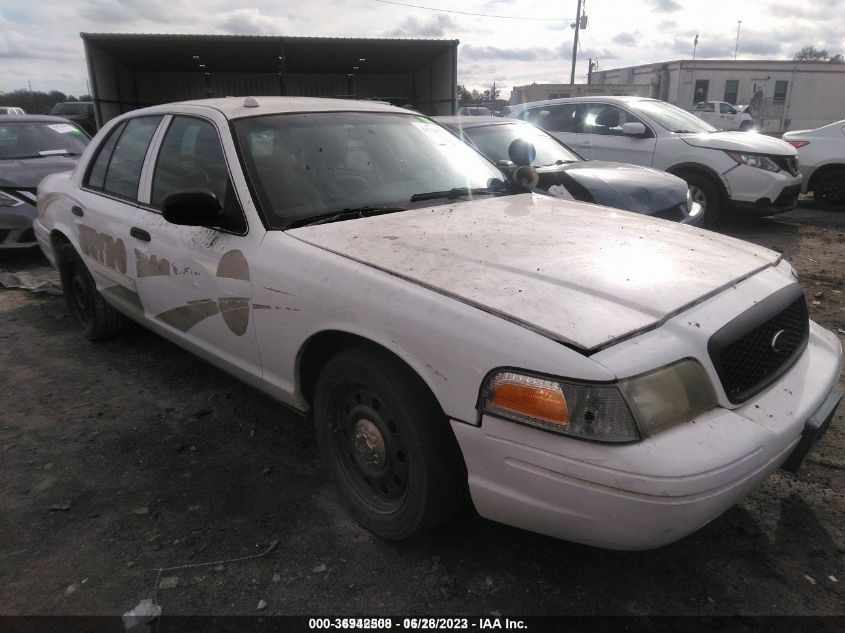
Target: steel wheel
[368, 444]
[387, 443]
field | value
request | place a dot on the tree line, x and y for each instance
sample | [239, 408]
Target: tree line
[37, 102]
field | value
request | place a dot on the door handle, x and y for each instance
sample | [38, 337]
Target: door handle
[77, 210]
[139, 234]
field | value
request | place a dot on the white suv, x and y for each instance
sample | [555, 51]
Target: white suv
[749, 172]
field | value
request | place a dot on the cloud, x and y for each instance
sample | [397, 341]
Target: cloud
[435, 26]
[665, 6]
[251, 22]
[492, 52]
[625, 39]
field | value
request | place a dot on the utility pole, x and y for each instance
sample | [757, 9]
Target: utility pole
[694, 46]
[575, 42]
[590, 70]
[736, 48]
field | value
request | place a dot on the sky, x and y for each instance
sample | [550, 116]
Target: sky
[40, 44]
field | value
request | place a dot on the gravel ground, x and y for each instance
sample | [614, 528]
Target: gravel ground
[121, 458]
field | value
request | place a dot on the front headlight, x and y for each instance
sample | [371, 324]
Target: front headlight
[754, 160]
[669, 395]
[587, 411]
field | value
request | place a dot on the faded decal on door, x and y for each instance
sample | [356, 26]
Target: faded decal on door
[151, 266]
[233, 309]
[103, 248]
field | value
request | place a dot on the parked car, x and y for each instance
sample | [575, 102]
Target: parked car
[821, 157]
[11, 110]
[597, 376]
[751, 174]
[627, 187]
[31, 147]
[723, 116]
[474, 111]
[80, 112]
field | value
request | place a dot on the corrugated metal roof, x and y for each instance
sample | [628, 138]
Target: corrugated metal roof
[267, 53]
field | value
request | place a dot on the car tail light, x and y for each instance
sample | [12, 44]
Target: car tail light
[797, 144]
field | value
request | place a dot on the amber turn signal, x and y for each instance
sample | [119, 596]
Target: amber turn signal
[541, 400]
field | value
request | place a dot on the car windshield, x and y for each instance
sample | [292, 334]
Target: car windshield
[670, 117]
[311, 165]
[63, 109]
[494, 141]
[37, 139]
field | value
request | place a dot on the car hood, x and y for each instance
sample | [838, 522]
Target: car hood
[741, 142]
[628, 187]
[577, 273]
[28, 172]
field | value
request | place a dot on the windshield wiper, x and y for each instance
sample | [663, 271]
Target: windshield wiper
[455, 192]
[557, 162]
[343, 214]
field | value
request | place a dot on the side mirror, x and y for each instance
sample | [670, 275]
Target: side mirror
[633, 128]
[507, 166]
[521, 152]
[191, 208]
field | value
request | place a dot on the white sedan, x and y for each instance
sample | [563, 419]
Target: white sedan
[821, 157]
[583, 372]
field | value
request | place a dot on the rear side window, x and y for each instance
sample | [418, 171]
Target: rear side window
[124, 169]
[554, 118]
[97, 175]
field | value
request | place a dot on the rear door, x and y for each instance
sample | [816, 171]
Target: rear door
[195, 281]
[106, 204]
[600, 136]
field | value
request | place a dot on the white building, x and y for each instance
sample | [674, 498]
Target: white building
[541, 92]
[785, 95]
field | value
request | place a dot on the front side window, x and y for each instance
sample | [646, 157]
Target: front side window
[191, 158]
[307, 165]
[724, 108]
[605, 119]
[123, 172]
[97, 173]
[670, 117]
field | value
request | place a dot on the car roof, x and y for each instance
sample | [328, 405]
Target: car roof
[474, 121]
[604, 98]
[44, 118]
[234, 108]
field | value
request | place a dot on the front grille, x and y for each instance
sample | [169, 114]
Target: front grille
[757, 347]
[786, 163]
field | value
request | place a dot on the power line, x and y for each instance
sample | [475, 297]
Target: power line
[481, 15]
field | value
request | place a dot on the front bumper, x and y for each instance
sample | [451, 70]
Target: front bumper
[757, 192]
[16, 227]
[658, 490]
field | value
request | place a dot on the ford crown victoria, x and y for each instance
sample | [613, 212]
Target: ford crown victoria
[583, 372]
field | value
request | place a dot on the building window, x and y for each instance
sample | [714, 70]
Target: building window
[731, 90]
[780, 91]
[701, 86]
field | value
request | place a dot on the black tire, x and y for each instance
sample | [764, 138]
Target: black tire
[829, 190]
[745, 126]
[708, 194]
[86, 305]
[388, 444]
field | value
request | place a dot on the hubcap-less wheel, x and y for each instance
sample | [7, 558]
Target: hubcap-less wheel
[830, 192]
[368, 444]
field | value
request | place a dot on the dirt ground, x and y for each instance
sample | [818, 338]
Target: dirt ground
[124, 457]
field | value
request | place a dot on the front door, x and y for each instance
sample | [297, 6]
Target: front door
[600, 136]
[195, 281]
